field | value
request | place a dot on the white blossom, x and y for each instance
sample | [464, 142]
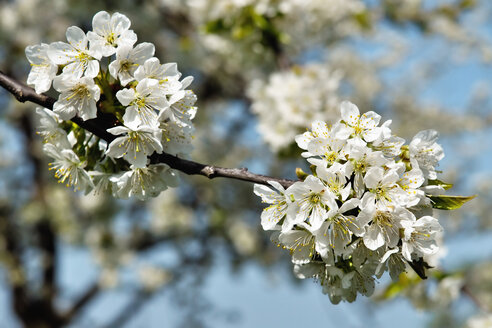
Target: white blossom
[77, 96]
[290, 100]
[144, 103]
[167, 75]
[176, 139]
[181, 108]
[411, 182]
[336, 232]
[335, 180]
[279, 204]
[388, 144]
[395, 262]
[43, 70]
[425, 151]
[361, 126]
[383, 189]
[69, 169]
[316, 202]
[300, 243]
[138, 143]
[50, 130]
[361, 159]
[110, 32]
[419, 237]
[76, 56]
[384, 227]
[364, 210]
[128, 59]
[144, 182]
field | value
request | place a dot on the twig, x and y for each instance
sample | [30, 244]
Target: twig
[138, 301]
[98, 127]
[466, 290]
[81, 302]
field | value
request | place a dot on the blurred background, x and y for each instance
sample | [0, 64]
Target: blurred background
[264, 70]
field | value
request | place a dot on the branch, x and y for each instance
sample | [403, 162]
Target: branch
[81, 302]
[466, 290]
[98, 127]
[132, 308]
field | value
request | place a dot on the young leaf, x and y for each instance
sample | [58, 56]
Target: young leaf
[301, 174]
[436, 182]
[444, 202]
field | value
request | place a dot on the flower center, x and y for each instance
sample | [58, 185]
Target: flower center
[315, 198]
[139, 102]
[383, 219]
[110, 39]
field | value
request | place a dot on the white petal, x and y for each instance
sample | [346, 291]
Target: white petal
[64, 109]
[373, 238]
[125, 96]
[100, 22]
[92, 69]
[77, 38]
[61, 53]
[373, 176]
[119, 23]
[142, 52]
[350, 113]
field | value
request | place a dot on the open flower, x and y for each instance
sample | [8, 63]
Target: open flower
[50, 130]
[383, 189]
[363, 126]
[144, 182]
[77, 96]
[279, 204]
[43, 70]
[384, 227]
[110, 31]
[426, 152]
[69, 169]
[138, 143]
[167, 75]
[420, 237]
[300, 243]
[337, 231]
[316, 202]
[144, 103]
[411, 182]
[128, 59]
[79, 60]
[181, 108]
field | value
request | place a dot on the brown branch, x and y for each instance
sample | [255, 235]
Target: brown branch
[129, 311]
[43, 229]
[466, 290]
[98, 127]
[81, 302]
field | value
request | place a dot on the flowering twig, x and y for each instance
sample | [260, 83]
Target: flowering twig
[99, 125]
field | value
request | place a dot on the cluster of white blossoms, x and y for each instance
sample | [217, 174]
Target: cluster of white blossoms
[205, 10]
[367, 207]
[102, 73]
[292, 99]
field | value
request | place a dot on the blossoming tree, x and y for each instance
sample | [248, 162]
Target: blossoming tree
[117, 123]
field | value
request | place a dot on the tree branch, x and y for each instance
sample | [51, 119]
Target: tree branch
[98, 127]
[132, 308]
[81, 302]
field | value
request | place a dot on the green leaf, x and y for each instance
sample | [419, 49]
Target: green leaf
[363, 18]
[443, 202]
[436, 182]
[215, 26]
[395, 288]
[301, 174]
